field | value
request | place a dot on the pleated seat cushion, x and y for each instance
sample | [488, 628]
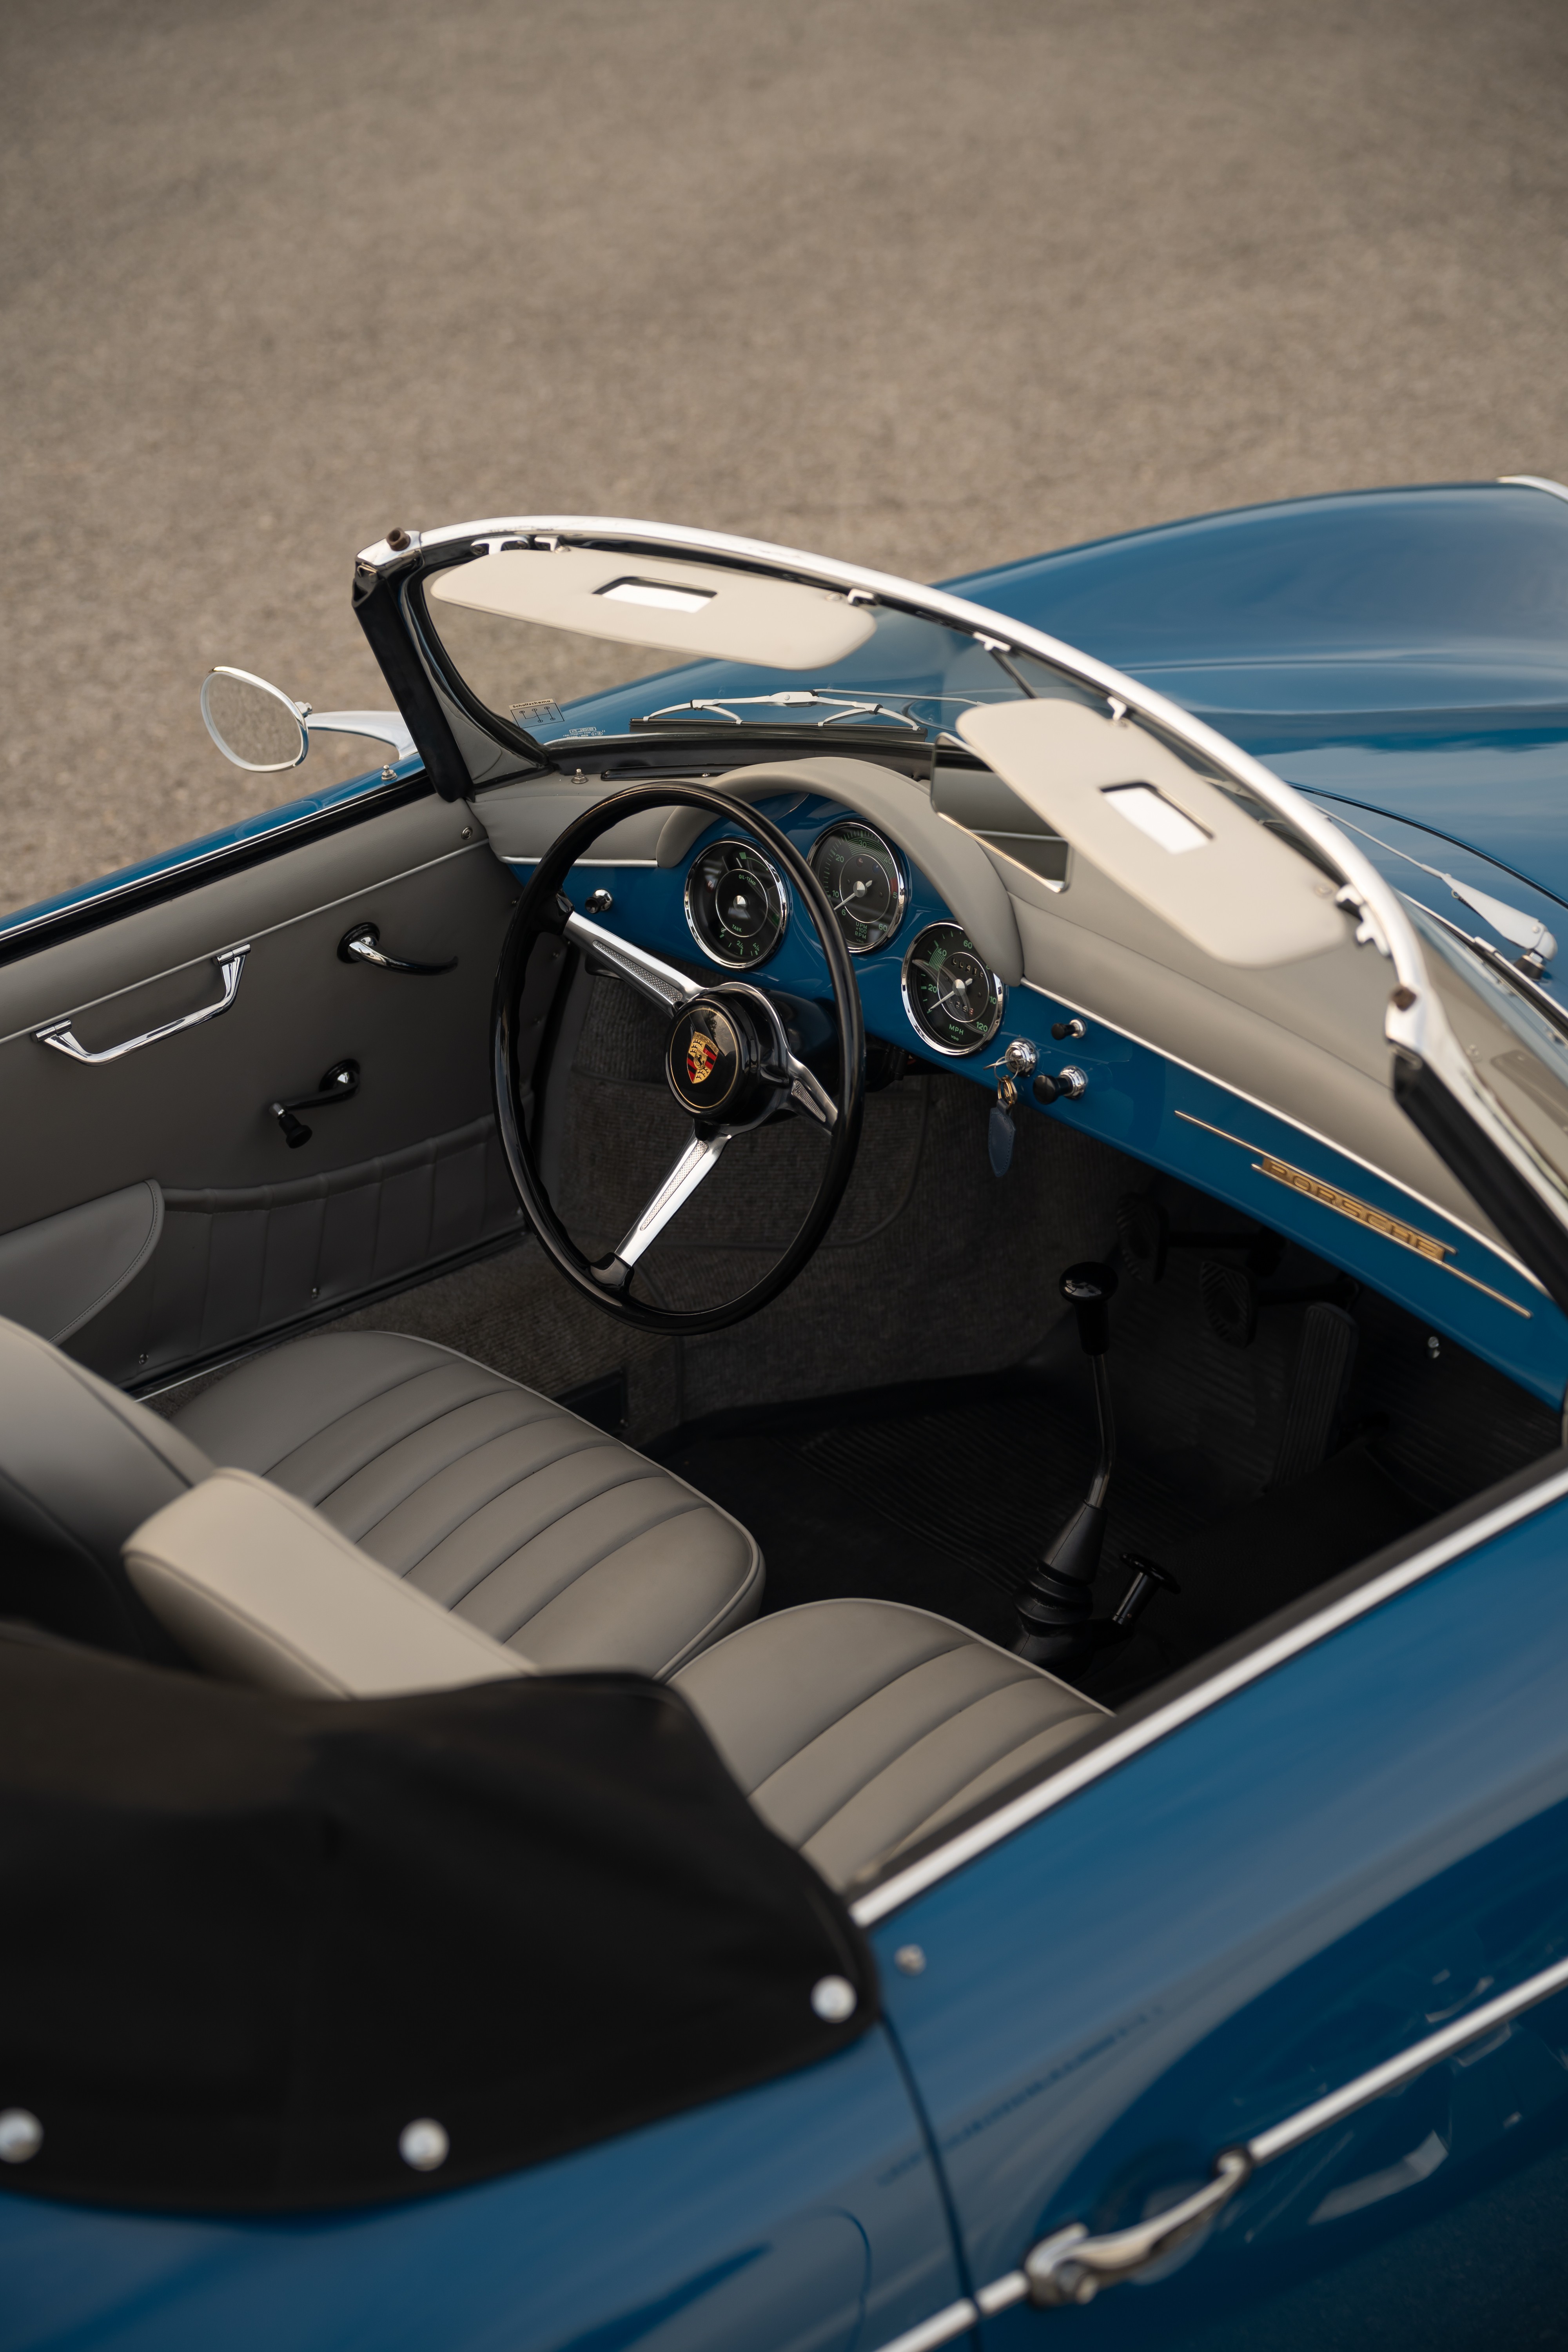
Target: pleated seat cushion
[855, 1726]
[493, 1500]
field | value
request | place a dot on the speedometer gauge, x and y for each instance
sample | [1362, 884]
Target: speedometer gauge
[735, 905]
[953, 1000]
[864, 881]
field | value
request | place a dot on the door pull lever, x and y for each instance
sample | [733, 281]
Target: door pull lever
[340, 1084]
[1071, 2266]
[361, 945]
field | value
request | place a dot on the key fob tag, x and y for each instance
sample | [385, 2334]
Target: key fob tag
[1001, 1138]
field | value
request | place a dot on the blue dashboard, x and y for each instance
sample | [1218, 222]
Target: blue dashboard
[1146, 1102]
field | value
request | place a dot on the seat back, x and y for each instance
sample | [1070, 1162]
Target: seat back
[260, 1589]
[80, 1465]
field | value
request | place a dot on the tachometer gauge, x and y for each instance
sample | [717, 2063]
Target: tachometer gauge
[735, 905]
[864, 881]
[953, 1000]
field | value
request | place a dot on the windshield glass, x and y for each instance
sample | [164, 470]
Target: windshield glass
[902, 676]
[1517, 1052]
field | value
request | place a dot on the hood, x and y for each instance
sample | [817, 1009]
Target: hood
[1399, 653]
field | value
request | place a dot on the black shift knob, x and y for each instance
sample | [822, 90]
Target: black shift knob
[1089, 1290]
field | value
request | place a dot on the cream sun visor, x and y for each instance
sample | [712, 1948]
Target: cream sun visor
[699, 609]
[1178, 845]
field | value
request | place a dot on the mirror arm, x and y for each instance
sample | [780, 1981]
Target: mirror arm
[387, 726]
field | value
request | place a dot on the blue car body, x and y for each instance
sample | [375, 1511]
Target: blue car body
[1280, 1873]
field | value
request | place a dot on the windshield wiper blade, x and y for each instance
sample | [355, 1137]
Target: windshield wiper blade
[1504, 966]
[837, 705]
[1525, 930]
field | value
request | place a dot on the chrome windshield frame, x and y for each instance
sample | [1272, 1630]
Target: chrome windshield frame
[1384, 922]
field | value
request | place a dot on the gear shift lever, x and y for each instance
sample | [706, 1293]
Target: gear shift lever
[1055, 1605]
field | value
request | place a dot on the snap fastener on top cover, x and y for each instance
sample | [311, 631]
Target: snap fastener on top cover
[21, 2136]
[833, 1999]
[424, 2144]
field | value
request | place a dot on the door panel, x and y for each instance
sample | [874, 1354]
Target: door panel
[802, 2216]
[1298, 1886]
[256, 1234]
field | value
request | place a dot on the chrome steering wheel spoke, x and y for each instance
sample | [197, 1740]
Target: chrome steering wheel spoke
[807, 1092]
[696, 1163]
[659, 983]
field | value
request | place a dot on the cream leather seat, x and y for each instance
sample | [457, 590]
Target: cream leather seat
[855, 1727]
[492, 1501]
[391, 1517]
[858, 1726]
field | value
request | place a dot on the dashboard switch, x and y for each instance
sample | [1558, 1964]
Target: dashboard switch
[1066, 1086]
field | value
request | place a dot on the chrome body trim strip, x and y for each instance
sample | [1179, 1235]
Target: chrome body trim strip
[941, 2327]
[1473, 2026]
[934, 1867]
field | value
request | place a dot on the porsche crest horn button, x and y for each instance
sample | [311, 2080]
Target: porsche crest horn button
[709, 1057]
[701, 1058]
[716, 1057]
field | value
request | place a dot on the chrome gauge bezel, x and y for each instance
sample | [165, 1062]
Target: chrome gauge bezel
[900, 903]
[776, 882]
[998, 994]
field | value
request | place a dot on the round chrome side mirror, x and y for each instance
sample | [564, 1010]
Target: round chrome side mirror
[254, 725]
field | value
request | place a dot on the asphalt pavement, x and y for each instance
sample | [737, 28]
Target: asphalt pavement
[927, 284]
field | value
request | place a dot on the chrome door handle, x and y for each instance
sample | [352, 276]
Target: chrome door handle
[230, 964]
[361, 945]
[1071, 2267]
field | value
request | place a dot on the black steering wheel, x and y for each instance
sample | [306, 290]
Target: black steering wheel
[726, 1059]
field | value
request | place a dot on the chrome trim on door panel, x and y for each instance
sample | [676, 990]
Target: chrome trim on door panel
[230, 962]
[1071, 2266]
[1121, 1747]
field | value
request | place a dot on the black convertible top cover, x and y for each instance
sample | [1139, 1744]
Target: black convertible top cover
[250, 1939]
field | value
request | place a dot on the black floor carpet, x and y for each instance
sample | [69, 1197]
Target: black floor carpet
[944, 1495]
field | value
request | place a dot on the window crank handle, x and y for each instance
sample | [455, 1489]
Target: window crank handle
[361, 945]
